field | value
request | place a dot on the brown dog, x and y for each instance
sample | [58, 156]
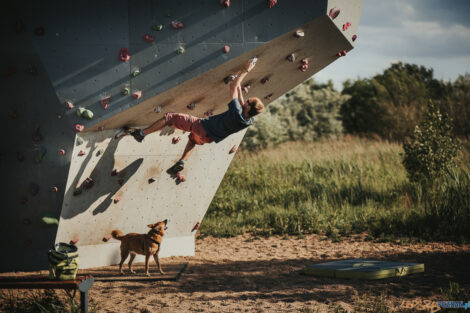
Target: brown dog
[146, 244]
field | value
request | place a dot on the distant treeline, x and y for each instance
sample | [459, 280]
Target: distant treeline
[388, 105]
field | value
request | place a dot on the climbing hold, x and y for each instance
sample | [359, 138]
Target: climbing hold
[157, 27]
[271, 3]
[175, 140]
[157, 109]
[99, 152]
[32, 70]
[80, 111]
[304, 61]
[177, 25]
[11, 70]
[33, 189]
[226, 49]
[196, 227]
[303, 67]
[191, 106]
[81, 153]
[49, 219]
[39, 154]
[121, 181]
[124, 55]
[125, 91]
[346, 26]
[79, 141]
[77, 192]
[246, 88]
[69, 105]
[37, 137]
[106, 238]
[268, 97]
[24, 200]
[180, 50]
[78, 127]
[115, 172]
[148, 38]
[180, 177]
[299, 34]
[230, 78]
[290, 57]
[116, 200]
[88, 183]
[151, 180]
[74, 241]
[59, 116]
[354, 37]
[136, 72]
[225, 3]
[39, 31]
[26, 221]
[61, 152]
[208, 113]
[100, 128]
[55, 189]
[137, 94]
[85, 113]
[264, 80]
[342, 53]
[334, 12]
[105, 102]
[234, 148]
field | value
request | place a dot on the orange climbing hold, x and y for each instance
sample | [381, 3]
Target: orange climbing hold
[177, 24]
[304, 61]
[116, 200]
[225, 3]
[78, 127]
[342, 53]
[81, 153]
[74, 241]
[271, 3]
[175, 140]
[137, 94]
[346, 26]
[334, 12]
[226, 49]
[69, 105]
[148, 38]
[124, 55]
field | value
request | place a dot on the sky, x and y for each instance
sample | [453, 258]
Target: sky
[433, 33]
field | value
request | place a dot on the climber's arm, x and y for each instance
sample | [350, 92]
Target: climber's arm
[240, 95]
[235, 86]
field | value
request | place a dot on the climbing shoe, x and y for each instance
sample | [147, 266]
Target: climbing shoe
[178, 167]
[137, 133]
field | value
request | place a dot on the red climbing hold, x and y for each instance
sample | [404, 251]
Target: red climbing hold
[148, 38]
[105, 102]
[61, 152]
[268, 97]
[196, 227]
[88, 183]
[116, 200]
[304, 61]
[124, 55]
[271, 3]
[342, 53]
[208, 113]
[191, 106]
[115, 172]
[226, 49]
[334, 12]
[303, 67]
[265, 80]
[81, 153]
[354, 37]
[55, 189]
[74, 241]
[177, 25]
[175, 140]
[100, 128]
[69, 105]
[106, 238]
[225, 3]
[180, 177]
[78, 127]
[137, 94]
[233, 150]
[346, 26]
[246, 88]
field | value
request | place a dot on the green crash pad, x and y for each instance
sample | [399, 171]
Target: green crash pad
[363, 269]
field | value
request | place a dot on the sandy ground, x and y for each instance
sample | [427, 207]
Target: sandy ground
[249, 274]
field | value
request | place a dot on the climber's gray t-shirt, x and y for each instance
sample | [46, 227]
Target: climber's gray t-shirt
[220, 126]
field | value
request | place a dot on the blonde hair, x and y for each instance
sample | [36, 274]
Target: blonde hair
[256, 106]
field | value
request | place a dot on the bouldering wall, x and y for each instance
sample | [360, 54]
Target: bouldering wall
[62, 163]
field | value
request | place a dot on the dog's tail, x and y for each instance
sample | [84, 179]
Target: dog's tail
[117, 234]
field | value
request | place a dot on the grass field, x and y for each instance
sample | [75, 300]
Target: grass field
[337, 187]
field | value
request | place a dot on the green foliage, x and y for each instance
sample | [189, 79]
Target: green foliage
[309, 112]
[431, 152]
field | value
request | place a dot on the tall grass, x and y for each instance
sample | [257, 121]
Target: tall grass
[336, 187]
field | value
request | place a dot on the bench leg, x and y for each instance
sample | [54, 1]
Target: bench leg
[84, 301]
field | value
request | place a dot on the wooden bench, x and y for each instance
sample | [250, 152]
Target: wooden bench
[82, 283]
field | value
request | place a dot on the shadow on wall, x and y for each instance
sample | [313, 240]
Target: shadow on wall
[101, 182]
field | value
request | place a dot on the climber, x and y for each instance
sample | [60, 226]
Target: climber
[214, 128]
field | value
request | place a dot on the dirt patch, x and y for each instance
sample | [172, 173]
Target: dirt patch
[250, 274]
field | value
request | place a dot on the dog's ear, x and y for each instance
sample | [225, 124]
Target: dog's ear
[150, 225]
[165, 221]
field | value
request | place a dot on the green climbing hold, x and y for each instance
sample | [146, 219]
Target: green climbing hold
[79, 141]
[125, 91]
[85, 113]
[157, 27]
[180, 50]
[49, 219]
[80, 111]
[136, 72]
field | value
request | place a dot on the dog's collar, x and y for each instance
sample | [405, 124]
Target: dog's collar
[158, 243]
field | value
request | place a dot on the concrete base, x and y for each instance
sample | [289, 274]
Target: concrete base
[109, 254]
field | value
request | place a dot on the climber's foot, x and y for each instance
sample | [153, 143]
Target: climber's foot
[178, 167]
[137, 133]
